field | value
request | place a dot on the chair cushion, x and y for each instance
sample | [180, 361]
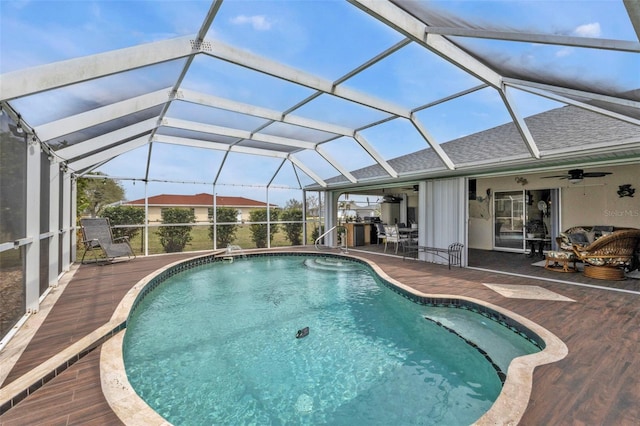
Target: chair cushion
[560, 255]
[609, 261]
[565, 242]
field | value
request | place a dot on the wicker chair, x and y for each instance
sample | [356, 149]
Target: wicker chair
[606, 257]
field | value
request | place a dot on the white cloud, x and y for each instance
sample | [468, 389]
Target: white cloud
[258, 22]
[588, 30]
[566, 51]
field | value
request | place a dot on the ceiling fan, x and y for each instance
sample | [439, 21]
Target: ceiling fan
[576, 175]
[391, 199]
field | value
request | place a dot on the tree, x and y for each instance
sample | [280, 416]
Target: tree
[124, 215]
[293, 230]
[259, 230]
[293, 204]
[313, 214]
[313, 205]
[225, 234]
[94, 194]
[175, 238]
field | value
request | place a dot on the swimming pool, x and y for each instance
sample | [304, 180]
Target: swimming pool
[371, 356]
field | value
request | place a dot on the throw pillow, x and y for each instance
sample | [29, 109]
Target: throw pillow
[579, 238]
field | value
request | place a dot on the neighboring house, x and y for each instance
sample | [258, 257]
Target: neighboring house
[201, 204]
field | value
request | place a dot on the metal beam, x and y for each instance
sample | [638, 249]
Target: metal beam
[590, 43]
[374, 154]
[107, 154]
[432, 143]
[256, 111]
[216, 146]
[633, 10]
[276, 173]
[59, 74]
[307, 171]
[106, 140]
[573, 92]
[570, 101]
[273, 115]
[246, 59]
[323, 152]
[519, 122]
[416, 30]
[238, 149]
[236, 133]
[101, 115]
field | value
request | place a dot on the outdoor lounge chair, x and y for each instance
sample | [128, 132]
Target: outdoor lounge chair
[97, 236]
[606, 257]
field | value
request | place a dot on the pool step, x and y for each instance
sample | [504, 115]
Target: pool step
[330, 264]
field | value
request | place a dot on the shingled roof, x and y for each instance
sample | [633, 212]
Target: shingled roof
[556, 130]
[202, 199]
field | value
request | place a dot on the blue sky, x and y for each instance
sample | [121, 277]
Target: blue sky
[327, 38]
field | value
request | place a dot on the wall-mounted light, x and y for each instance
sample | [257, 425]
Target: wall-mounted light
[626, 190]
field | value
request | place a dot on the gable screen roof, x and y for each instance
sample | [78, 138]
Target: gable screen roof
[299, 92]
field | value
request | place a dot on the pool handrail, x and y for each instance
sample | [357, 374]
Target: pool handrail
[343, 247]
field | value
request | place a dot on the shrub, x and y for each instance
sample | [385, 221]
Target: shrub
[293, 230]
[225, 234]
[175, 238]
[124, 215]
[259, 231]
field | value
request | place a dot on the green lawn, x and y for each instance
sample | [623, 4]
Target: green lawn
[201, 241]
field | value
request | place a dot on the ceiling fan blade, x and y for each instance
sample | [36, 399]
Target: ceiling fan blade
[596, 174]
[555, 177]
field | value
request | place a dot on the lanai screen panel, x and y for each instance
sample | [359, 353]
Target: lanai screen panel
[56, 104]
[281, 78]
[178, 163]
[325, 38]
[525, 53]
[341, 112]
[217, 77]
[472, 113]
[132, 165]
[106, 127]
[412, 77]
[394, 138]
[190, 111]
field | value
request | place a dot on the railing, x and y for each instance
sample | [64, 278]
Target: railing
[342, 247]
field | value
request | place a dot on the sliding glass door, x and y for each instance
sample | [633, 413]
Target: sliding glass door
[509, 220]
[526, 220]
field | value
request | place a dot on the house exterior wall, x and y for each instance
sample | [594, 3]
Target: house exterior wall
[201, 212]
[594, 201]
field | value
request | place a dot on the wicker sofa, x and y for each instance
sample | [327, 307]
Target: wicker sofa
[606, 251]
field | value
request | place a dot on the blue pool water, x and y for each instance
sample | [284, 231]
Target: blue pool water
[216, 345]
